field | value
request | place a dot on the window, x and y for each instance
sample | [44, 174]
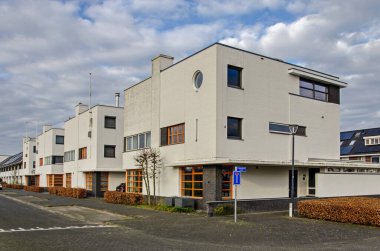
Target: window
[284, 129]
[375, 159]
[41, 161]
[234, 76]
[198, 79]
[89, 181]
[69, 156]
[34, 149]
[314, 90]
[110, 122]
[173, 135]
[68, 180]
[34, 164]
[59, 140]
[226, 183]
[138, 141]
[24, 165]
[234, 128]
[51, 160]
[372, 141]
[134, 181]
[54, 180]
[103, 181]
[82, 153]
[109, 151]
[192, 181]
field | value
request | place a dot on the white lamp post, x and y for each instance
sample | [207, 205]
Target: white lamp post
[293, 130]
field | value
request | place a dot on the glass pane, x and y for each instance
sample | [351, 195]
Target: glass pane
[142, 141]
[188, 169]
[198, 169]
[187, 193]
[129, 143]
[198, 193]
[233, 76]
[321, 96]
[198, 80]
[147, 137]
[320, 88]
[306, 84]
[306, 93]
[233, 128]
[198, 177]
[187, 177]
[135, 143]
[198, 185]
[187, 185]
[279, 128]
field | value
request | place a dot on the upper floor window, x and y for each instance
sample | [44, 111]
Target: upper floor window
[69, 156]
[109, 151]
[82, 153]
[60, 140]
[234, 76]
[51, 160]
[110, 122]
[314, 90]
[234, 128]
[173, 135]
[284, 129]
[372, 141]
[137, 141]
[34, 149]
[41, 162]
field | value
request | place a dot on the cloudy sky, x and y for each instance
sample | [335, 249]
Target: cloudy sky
[48, 49]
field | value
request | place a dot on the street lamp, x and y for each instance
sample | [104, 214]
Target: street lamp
[293, 130]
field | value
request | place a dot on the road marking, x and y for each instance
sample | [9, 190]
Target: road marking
[52, 228]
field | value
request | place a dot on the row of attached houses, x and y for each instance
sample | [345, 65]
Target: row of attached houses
[216, 109]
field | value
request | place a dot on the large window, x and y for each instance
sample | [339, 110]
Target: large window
[104, 181]
[109, 151]
[192, 181]
[51, 160]
[89, 181]
[134, 181]
[234, 128]
[227, 183]
[60, 140]
[54, 180]
[284, 129]
[173, 135]
[314, 90]
[137, 141]
[68, 180]
[110, 122]
[69, 156]
[41, 161]
[234, 76]
[82, 153]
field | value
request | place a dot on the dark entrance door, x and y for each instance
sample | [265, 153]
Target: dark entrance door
[295, 182]
[312, 172]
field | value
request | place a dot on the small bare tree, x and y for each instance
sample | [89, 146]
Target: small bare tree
[149, 160]
[155, 163]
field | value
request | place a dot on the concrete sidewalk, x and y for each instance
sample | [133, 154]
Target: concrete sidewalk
[258, 231]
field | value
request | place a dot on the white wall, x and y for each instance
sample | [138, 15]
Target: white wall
[330, 185]
[114, 179]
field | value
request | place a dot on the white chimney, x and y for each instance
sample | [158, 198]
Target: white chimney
[117, 99]
[46, 128]
[79, 108]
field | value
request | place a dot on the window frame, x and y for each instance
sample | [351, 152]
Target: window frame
[240, 76]
[314, 90]
[114, 151]
[298, 133]
[105, 122]
[133, 181]
[82, 153]
[60, 137]
[192, 181]
[88, 179]
[68, 180]
[129, 139]
[173, 135]
[240, 128]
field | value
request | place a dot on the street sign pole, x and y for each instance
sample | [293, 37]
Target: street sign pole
[237, 177]
[235, 210]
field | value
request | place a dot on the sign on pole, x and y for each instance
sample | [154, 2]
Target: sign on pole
[236, 177]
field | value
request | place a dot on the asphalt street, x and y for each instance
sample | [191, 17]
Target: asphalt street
[32, 221]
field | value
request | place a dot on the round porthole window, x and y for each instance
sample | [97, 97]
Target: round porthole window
[198, 79]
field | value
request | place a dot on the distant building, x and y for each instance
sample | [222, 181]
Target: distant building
[29, 149]
[11, 170]
[361, 144]
[93, 149]
[49, 170]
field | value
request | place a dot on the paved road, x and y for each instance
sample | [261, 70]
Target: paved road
[119, 227]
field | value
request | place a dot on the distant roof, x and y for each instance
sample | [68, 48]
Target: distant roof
[352, 142]
[12, 160]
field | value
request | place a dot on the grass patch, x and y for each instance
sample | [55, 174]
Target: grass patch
[170, 209]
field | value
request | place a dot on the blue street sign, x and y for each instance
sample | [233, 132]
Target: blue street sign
[241, 169]
[236, 177]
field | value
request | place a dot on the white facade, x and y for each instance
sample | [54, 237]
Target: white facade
[29, 149]
[49, 159]
[88, 130]
[269, 93]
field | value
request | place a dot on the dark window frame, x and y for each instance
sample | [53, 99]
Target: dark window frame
[114, 151]
[240, 77]
[59, 137]
[301, 131]
[314, 89]
[107, 125]
[240, 128]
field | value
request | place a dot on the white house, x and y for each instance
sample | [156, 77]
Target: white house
[93, 148]
[29, 149]
[49, 170]
[223, 107]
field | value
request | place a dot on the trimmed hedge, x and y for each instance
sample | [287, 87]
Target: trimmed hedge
[356, 210]
[123, 198]
[34, 189]
[14, 186]
[68, 192]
